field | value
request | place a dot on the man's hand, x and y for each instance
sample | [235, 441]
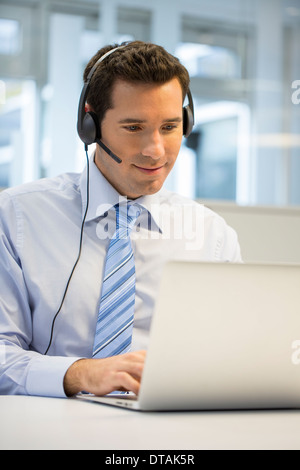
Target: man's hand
[102, 376]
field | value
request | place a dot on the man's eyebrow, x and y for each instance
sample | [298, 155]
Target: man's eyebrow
[175, 119]
[142, 121]
[130, 120]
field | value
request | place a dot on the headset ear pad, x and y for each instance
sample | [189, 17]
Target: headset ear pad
[188, 121]
[90, 128]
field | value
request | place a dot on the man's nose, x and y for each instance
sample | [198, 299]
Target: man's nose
[153, 145]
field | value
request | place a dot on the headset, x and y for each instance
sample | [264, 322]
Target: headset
[88, 129]
[88, 126]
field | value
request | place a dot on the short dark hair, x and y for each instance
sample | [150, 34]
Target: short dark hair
[136, 61]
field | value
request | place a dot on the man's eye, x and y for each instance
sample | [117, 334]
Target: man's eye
[132, 128]
[170, 127]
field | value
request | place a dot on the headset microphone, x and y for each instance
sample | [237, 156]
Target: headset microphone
[108, 151]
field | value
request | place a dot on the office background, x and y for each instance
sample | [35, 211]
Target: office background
[244, 60]
[243, 159]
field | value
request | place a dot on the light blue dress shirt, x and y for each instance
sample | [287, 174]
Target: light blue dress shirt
[39, 239]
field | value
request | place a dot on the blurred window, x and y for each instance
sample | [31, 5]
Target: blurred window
[209, 61]
[10, 37]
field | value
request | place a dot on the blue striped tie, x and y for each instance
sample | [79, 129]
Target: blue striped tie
[115, 318]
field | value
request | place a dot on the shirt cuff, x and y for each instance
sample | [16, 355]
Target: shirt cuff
[46, 375]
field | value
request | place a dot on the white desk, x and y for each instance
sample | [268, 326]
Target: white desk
[49, 423]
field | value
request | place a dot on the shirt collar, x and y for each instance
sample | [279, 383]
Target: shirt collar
[103, 196]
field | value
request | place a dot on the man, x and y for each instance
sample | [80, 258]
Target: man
[49, 305]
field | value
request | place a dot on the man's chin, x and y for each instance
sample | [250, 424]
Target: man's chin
[146, 190]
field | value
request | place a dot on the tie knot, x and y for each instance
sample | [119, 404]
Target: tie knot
[126, 216]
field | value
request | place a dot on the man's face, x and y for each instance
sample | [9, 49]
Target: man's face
[144, 129]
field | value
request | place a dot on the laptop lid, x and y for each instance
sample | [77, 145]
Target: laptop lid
[224, 336]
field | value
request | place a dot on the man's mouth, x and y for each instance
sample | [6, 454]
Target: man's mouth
[150, 171]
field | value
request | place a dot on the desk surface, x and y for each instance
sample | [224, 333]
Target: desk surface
[50, 423]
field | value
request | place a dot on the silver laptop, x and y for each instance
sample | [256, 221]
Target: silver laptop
[223, 336]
